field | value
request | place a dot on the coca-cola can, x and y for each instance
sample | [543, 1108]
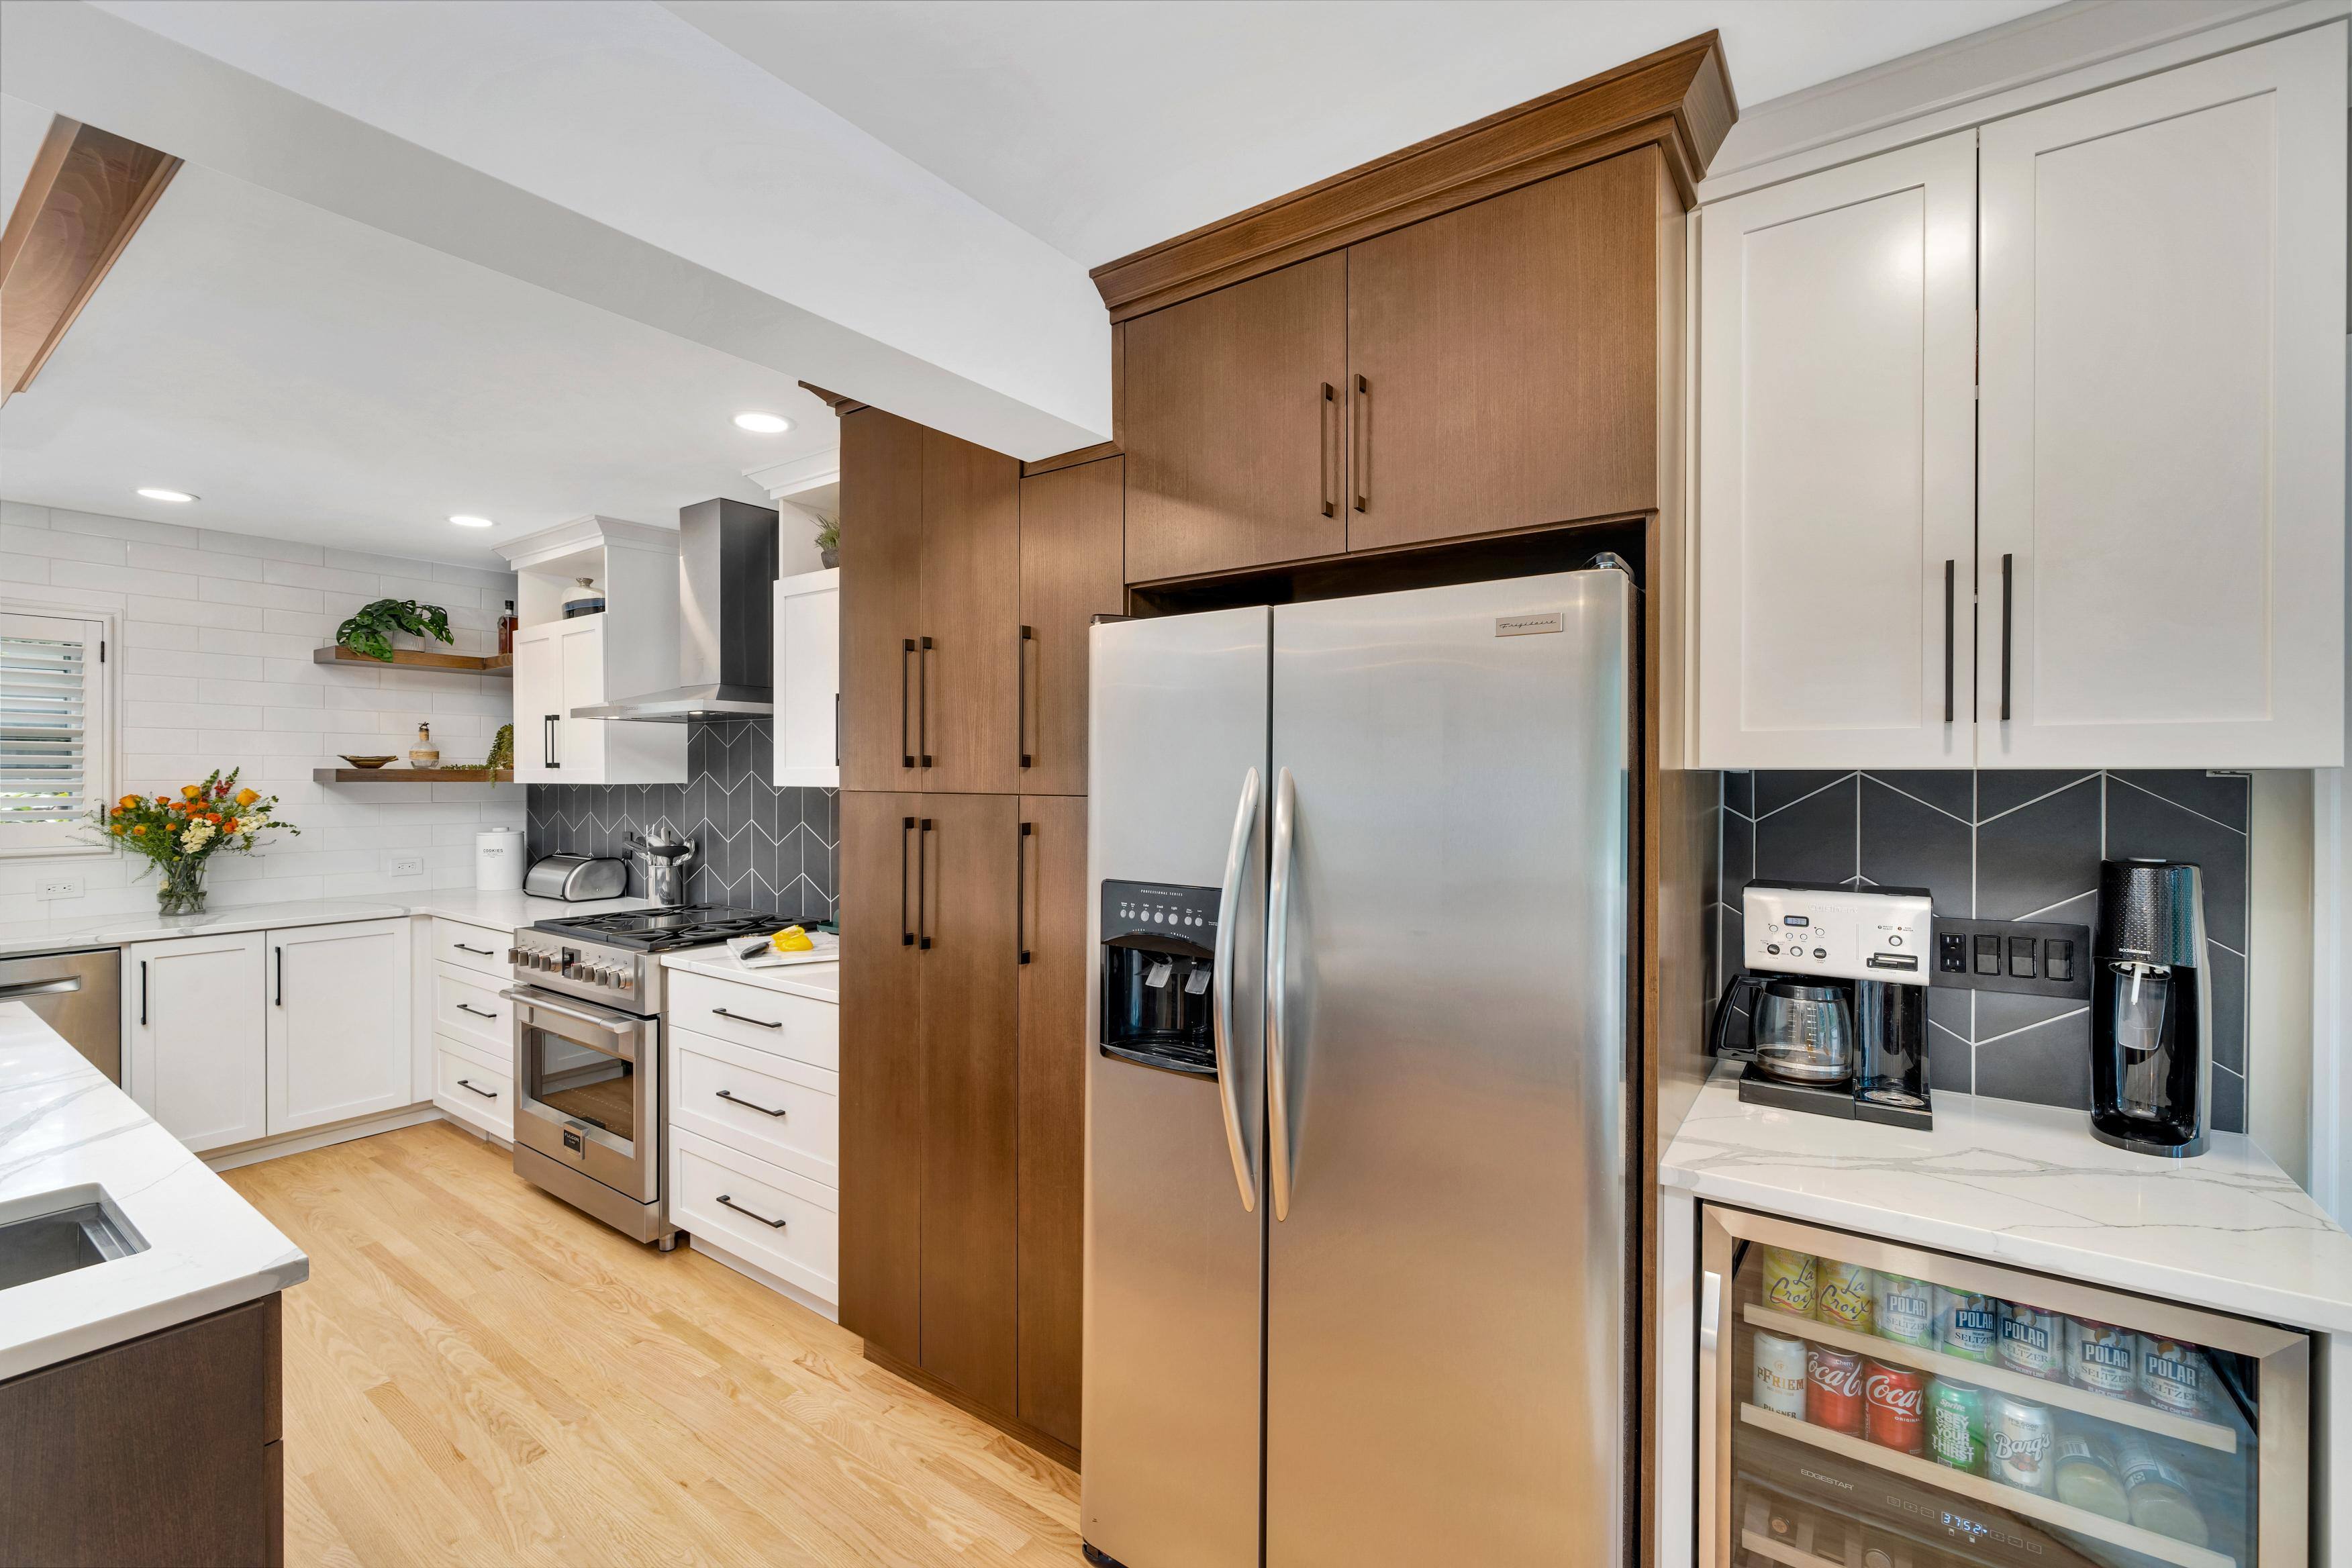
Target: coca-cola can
[2172, 1376]
[2032, 1342]
[2102, 1358]
[1780, 1374]
[2020, 1442]
[1894, 1405]
[1834, 1390]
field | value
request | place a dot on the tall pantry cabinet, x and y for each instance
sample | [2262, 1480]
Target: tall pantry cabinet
[967, 592]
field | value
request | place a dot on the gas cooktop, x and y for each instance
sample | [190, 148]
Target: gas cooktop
[676, 926]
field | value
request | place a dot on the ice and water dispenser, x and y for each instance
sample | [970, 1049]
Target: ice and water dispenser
[1160, 943]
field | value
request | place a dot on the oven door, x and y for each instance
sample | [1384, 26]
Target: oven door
[587, 1088]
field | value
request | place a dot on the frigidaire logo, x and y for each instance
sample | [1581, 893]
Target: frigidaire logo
[1528, 626]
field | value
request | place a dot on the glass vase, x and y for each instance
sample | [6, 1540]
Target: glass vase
[180, 887]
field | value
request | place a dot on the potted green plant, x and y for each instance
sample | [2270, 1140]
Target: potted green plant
[181, 835]
[370, 632]
[828, 543]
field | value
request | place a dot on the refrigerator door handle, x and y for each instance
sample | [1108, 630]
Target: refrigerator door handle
[1221, 1015]
[1277, 1019]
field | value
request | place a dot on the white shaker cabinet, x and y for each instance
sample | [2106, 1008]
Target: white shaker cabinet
[1836, 487]
[193, 1021]
[808, 680]
[560, 666]
[338, 1009]
[2162, 534]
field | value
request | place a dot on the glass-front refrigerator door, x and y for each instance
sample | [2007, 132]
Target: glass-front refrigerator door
[1870, 1406]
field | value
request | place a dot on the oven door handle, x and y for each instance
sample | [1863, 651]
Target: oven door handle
[625, 1031]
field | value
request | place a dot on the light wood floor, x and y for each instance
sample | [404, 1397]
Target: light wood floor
[476, 1373]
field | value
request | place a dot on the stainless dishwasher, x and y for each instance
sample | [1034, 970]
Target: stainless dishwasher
[79, 995]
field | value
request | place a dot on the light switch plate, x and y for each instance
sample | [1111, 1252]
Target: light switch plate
[408, 865]
[2013, 946]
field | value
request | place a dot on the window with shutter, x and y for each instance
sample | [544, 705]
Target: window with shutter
[56, 760]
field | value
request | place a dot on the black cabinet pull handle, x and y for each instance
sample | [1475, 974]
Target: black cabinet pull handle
[1948, 567]
[2006, 599]
[1021, 889]
[461, 947]
[476, 1011]
[905, 662]
[922, 888]
[277, 995]
[1324, 413]
[548, 739]
[836, 729]
[906, 830]
[142, 992]
[739, 1208]
[743, 1018]
[923, 702]
[732, 1098]
[1363, 463]
[485, 1093]
[1020, 719]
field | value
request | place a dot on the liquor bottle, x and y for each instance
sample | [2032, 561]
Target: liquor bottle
[506, 631]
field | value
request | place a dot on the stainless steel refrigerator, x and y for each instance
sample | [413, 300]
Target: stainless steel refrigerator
[1357, 1156]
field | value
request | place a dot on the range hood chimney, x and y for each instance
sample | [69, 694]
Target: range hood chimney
[726, 591]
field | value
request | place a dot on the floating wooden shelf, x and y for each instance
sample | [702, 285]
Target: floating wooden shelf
[411, 658]
[412, 775]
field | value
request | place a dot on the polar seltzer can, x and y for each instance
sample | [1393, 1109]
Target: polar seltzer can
[1968, 1325]
[1780, 1374]
[2032, 1342]
[2020, 1438]
[1788, 1281]
[2102, 1358]
[1842, 1295]
[1834, 1390]
[2172, 1376]
[1956, 1426]
[1906, 1310]
[1894, 1406]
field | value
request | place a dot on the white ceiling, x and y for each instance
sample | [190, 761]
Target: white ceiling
[1102, 128]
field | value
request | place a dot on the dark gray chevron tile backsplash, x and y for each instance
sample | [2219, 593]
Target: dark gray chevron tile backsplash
[761, 847]
[2006, 846]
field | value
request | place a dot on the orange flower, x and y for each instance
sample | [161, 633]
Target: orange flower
[192, 790]
[127, 802]
[163, 800]
[141, 831]
[116, 830]
[246, 797]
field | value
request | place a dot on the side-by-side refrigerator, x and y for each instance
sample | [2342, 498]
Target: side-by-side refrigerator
[1357, 1153]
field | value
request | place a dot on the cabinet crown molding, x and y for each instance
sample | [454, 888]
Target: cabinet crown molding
[1679, 100]
[585, 534]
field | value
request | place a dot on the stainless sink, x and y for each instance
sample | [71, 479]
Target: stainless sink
[77, 1236]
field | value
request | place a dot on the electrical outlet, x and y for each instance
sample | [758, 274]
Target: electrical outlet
[2035, 958]
[408, 865]
[59, 888]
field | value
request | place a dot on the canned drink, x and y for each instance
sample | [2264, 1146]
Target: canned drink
[1956, 1426]
[1788, 1281]
[1905, 1311]
[2102, 1358]
[2088, 1476]
[2172, 1376]
[1968, 1325]
[1842, 1295]
[1781, 1373]
[2032, 1342]
[1894, 1409]
[1834, 1390]
[2019, 1442]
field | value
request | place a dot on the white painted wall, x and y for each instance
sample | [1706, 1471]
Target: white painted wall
[215, 671]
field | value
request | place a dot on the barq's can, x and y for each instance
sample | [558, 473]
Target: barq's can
[1781, 1373]
[2023, 1433]
[1786, 1281]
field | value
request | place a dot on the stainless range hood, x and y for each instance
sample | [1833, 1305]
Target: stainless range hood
[726, 589]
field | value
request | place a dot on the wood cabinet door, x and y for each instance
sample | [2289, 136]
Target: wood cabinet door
[881, 1074]
[338, 1021]
[1070, 556]
[1233, 434]
[967, 665]
[1837, 469]
[1052, 1126]
[968, 863]
[198, 1053]
[1502, 360]
[2161, 539]
[881, 566]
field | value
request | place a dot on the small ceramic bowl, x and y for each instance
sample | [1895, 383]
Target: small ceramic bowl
[367, 761]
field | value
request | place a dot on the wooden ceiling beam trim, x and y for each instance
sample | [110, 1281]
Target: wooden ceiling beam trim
[1679, 100]
[87, 195]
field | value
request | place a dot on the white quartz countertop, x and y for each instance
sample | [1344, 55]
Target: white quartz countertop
[64, 1131]
[2028, 1185]
[819, 981]
[503, 911]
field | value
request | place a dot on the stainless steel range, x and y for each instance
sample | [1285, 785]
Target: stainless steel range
[588, 1061]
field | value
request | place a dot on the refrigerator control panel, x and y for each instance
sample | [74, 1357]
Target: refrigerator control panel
[1160, 915]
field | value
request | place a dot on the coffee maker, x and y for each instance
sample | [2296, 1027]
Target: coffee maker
[2151, 1010]
[1830, 1014]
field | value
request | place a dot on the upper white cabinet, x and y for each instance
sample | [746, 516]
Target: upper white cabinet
[1837, 466]
[808, 680]
[192, 1019]
[629, 648]
[338, 1022]
[2163, 440]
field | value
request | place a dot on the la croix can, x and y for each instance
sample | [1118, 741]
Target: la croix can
[1786, 1281]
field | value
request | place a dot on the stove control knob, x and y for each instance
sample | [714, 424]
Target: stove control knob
[628, 979]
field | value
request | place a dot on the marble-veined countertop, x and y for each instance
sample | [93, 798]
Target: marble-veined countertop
[503, 911]
[818, 981]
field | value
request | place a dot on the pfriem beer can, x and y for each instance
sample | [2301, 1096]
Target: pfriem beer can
[2021, 1441]
[1788, 1281]
[1780, 1374]
[1906, 1310]
[2032, 1342]
[1957, 1433]
[1842, 1295]
[2102, 1358]
[1968, 1325]
[1894, 1409]
[1834, 1390]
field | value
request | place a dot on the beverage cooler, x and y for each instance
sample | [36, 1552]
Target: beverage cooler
[1870, 1406]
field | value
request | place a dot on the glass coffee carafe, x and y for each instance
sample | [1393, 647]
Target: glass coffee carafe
[1804, 1031]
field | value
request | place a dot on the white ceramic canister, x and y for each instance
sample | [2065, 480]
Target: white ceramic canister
[497, 860]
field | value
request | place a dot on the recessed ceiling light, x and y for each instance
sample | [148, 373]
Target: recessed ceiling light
[165, 495]
[465, 520]
[763, 423]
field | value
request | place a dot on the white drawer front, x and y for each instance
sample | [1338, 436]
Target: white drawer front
[791, 1026]
[805, 1249]
[464, 1087]
[478, 948]
[768, 1106]
[470, 1008]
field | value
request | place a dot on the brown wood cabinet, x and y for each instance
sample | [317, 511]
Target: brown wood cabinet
[1054, 1046]
[1070, 573]
[881, 1068]
[881, 597]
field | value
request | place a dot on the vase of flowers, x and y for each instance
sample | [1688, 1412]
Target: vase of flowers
[181, 835]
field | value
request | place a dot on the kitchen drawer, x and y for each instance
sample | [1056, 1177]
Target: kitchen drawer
[481, 949]
[465, 1089]
[767, 1106]
[468, 1007]
[791, 1026]
[802, 1250]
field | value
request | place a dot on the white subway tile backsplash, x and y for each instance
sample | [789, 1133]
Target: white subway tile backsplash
[261, 596]
[259, 549]
[49, 544]
[294, 573]
[132, 528]
[122, 579]
[29, 569]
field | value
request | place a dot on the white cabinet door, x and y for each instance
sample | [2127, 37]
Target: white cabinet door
[2162, 535]
[337, 1010]
[538, 704]
[580, 742]
[193, 1011]
[808, 680]
[1836, 486]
